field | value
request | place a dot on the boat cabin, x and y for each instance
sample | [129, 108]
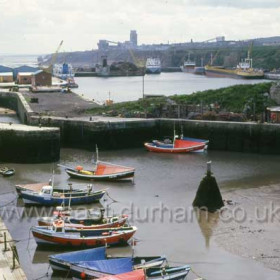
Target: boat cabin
[47, 190]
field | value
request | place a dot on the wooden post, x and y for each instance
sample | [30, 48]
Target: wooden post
[5, 242]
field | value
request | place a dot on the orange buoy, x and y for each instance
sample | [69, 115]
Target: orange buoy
[83, 275]
[79, 168]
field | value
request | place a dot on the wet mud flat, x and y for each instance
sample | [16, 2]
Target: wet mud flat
[249, 226]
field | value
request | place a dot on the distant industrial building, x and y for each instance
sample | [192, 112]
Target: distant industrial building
[133, 38]
[104, 45]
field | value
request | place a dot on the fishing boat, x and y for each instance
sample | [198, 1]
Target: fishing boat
[103, 172]
[102, 268]
[6, 171]
[58, 234]
[48, 197]
[37, 187]
[87, 223]
[62, 262]
[179, 145]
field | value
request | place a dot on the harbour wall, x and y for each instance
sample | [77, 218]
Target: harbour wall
[110, 133]
[27, 144]
[128, 133]
[15, 101]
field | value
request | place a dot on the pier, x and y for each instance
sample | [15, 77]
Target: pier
[10, 266]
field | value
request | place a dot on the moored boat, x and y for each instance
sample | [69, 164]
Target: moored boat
[103, 172]
[6, 171]
[87, 223]
[188, 65]
[179, 145]
[244, 70]
[59, 235]
[47, 197]
[37, 187]
[153, 66]
[62, 262]
[103, 268]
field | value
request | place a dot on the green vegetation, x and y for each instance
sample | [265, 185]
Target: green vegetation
[247, 99]
[231, 99]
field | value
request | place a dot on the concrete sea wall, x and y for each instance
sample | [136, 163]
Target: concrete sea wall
[28, 144]
[117, 133]
[107, 133]
[16, 102]
[229, 136]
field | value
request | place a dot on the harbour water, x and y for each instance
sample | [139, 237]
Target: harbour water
[131, 88]
[163, 184]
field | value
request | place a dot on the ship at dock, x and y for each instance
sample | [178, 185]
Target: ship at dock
[153, 66]
[188, 65]
[244, 70]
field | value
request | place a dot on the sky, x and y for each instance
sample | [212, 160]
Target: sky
[38, 26]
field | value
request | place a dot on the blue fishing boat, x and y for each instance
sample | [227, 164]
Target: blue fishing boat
[48, 197]
[62, 262]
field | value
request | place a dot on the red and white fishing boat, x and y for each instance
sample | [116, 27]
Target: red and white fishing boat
[179, 145]
[59, 235]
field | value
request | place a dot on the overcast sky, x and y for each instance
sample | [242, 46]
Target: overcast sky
[37, 26]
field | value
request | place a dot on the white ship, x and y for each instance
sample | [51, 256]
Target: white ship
[153, 66]
[63, 71]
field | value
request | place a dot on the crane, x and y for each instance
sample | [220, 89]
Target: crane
[54, 56]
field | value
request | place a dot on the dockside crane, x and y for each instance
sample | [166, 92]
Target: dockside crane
[53, 59]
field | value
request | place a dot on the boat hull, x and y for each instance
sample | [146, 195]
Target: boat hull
[107, 177]
[80, 239]
[37, 199]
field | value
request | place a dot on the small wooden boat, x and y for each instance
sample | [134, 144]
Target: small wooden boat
[59, 235]
[179, 145]
[6, 171]
[62, 262]
[48, 197]
[87, 223]
[103, 268]
[103, 172]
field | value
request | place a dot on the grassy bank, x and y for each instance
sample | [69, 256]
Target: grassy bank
[236, 99]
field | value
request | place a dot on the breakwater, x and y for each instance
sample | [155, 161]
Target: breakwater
[115, 133]
[28, 144]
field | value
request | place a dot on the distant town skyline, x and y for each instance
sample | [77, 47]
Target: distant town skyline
[37, 26]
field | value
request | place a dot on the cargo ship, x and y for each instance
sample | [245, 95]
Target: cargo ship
[153, 66]
[188, 65]
[244, 70]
